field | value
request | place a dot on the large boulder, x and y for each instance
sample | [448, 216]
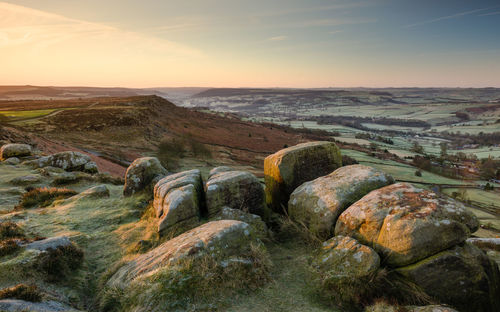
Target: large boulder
[405, 224]
[463, 277]
[14, 150]
[288, 168]
[345, 268]
[235, 189]
[342, 258]
[143, 174]
[318, 203]
[69, 161]
[221, 239]
[178, 200]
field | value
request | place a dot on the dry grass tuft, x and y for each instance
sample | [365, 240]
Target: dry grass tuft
[43, 196]
[22, 292]
[60, 262]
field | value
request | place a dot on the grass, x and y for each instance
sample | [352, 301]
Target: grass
[193, 284]
[43, 196]
[10, 229]
[22, 292]
[8, 247]
[15, 115]
[59, 263]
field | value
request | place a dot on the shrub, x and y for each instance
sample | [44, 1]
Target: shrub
[418, 173]
[43, 196]
[10, 230]
[58, 263]
[346, 161]
[8, 247]
[22, 292]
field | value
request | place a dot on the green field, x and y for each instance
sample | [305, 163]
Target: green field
[16, 115]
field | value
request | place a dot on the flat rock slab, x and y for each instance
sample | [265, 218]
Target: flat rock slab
[219, 169]
[69, 161]
[286, 169]
[223, 238]
[237, 190]
[318, 203]
[49, 243]
[405, 224]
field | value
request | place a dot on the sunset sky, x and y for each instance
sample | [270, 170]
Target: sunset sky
[258, 43]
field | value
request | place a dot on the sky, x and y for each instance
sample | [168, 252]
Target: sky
[257, 43]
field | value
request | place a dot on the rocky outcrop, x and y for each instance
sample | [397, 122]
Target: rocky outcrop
[178, 200]
[69, 161]
[405, 224]
[318, 203]
[463, 277]
[142, 175]
[14, 150]
[288, 168]
[237, 190]
[253, 220]
[219, 239]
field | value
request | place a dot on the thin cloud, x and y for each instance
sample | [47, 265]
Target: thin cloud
[332, 22]
[21, 25]
[333, 32]
[331, 7]
[488, 14]
[458, 15]
[277, 38]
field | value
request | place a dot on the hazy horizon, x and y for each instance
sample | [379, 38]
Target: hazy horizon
[283, 44]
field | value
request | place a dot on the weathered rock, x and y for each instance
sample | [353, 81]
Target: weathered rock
[463, 277]
[485, 243]
[318, 203]
[26, 180]
[237, 190]
[53, 242]
[12, 161]
[253, 220]
[219, 169]
[287, 169]
[221, 239]
[405, 224]
[69, 161]
[15, 305]
[178, 200]
[14, 150]
[343, 260]
[143, 174]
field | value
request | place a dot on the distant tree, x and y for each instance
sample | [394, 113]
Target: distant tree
[444, 149]
[418, 173]
[417, 148]
[489, 169]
